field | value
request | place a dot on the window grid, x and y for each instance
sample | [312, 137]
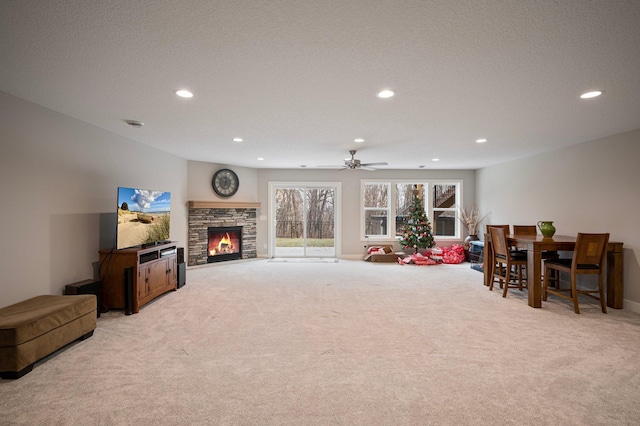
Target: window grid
[440, 199]
[377, 209]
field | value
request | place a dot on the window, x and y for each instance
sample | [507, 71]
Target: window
[440, 199]
[404, 202]
[375, 202]
[444, 211]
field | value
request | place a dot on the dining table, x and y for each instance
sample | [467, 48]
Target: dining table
[535, 245]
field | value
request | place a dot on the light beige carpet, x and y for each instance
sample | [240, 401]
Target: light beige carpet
[347, 343]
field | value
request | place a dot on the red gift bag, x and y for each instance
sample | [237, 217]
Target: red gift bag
[453, 254]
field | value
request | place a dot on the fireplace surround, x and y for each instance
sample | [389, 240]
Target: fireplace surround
[204, 215]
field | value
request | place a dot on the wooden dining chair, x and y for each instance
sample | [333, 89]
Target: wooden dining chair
[508, 263]
[529, 230]
[505, 227]
[589, 257]
[493, 264]
[525, 230]
[514, 251]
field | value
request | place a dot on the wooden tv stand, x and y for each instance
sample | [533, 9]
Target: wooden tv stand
[155, 272]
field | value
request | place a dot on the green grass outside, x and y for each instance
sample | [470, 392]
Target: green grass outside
[311, 242]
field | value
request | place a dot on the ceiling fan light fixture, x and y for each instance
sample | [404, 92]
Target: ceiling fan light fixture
[354, 164]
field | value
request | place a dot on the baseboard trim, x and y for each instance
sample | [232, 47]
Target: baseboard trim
[631, 306]
[351, 257]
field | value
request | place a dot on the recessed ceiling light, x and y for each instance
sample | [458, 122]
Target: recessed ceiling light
[386, 94]
[435, 159]
[358, 140]
[481, 140]
[184, 93]
[592, 94]
[238, 139]
[134, 123]
[260, 159]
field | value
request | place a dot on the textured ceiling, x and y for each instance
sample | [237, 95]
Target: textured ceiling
[297, 79]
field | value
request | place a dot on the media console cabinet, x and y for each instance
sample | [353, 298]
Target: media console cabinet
[155, 272]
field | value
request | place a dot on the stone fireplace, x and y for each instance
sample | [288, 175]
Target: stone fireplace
[236, 218]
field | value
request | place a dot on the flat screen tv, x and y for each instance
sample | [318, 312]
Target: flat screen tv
[143, 217]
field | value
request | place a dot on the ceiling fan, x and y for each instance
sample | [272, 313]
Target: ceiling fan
[354, 164]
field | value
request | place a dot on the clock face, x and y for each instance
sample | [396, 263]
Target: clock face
[225, 182]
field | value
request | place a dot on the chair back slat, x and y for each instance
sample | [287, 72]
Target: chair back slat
[499, 241]
[590, 249]
[525, 230]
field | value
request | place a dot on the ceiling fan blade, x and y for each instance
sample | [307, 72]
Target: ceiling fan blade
[375, 164]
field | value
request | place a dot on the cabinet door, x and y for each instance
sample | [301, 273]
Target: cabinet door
[143, 282]
[158, 276]
[172, 273]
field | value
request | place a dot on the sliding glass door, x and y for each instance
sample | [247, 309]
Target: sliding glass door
[304, 222]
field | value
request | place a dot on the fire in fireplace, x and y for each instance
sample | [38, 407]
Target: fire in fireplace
[224, 243]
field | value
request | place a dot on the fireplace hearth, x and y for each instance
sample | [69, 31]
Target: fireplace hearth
[224, 243]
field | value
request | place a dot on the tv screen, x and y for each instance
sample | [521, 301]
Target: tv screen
[143, 217]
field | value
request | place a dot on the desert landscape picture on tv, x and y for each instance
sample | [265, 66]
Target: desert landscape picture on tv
[144, 217]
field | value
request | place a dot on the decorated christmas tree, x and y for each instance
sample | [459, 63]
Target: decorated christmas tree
[416, 233]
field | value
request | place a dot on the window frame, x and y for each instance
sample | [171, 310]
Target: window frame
[363, 210]
[427, 204]
[458, 225]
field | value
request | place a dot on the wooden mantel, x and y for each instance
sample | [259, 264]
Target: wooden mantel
[223, 205]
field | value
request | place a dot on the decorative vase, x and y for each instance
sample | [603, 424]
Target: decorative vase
[468, 239]
[547, 228]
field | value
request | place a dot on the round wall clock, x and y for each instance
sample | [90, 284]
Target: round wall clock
[225, 182]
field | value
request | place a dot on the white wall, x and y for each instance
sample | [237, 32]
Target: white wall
[589, 187]
[199, 182]
[254, 186]
[58, 184]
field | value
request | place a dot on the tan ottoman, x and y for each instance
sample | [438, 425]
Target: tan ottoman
[34, 328]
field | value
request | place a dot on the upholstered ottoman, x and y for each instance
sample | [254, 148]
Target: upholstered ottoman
[34, 328]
